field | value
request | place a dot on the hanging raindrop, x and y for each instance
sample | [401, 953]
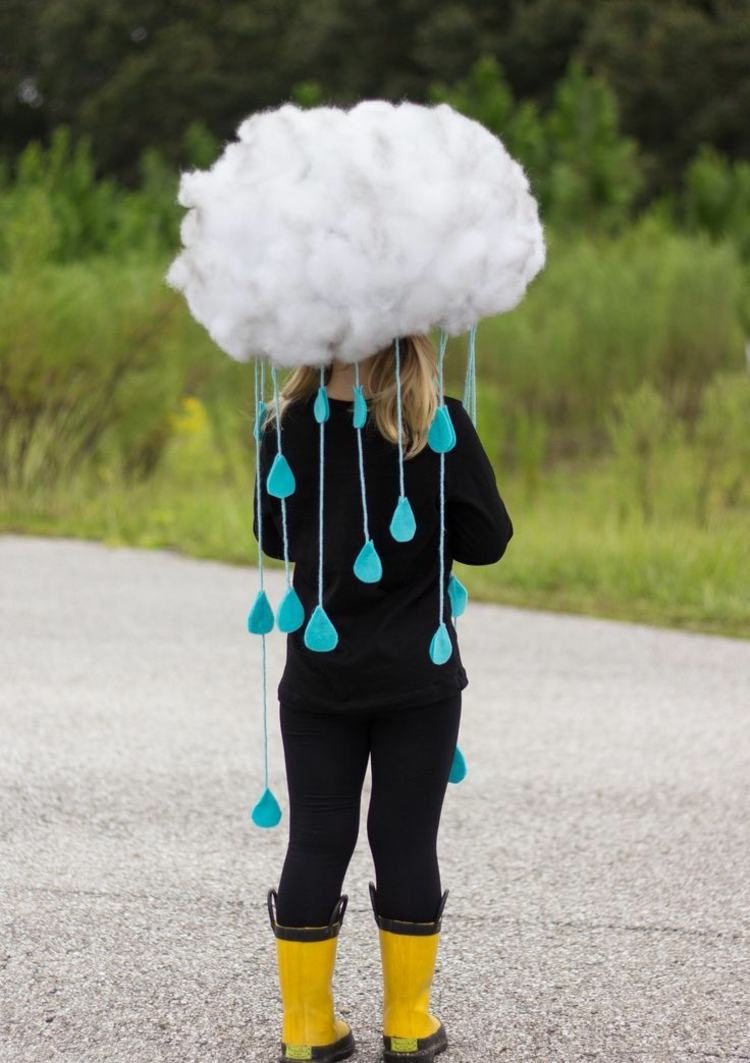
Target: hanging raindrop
[457, 594]
[441, 646]
[360, 408]
[442, 435]
[368, 566]
[403, 525]
[260, 619]
[320, 634]
[291, 613]
[267, 811]
[458, 767]
[280, 482]
[321, 407]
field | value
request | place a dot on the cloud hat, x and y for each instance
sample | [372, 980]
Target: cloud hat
[323, 233]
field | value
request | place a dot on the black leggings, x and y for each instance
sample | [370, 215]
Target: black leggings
[326, 757]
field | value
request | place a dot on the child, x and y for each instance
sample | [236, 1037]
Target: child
[317, 237]
[377, 695]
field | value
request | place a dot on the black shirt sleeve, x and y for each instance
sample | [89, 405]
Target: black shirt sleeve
[273, 543]
[476, 519]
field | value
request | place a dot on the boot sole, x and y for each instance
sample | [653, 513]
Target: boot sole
[426, 1050]
[341, 1049]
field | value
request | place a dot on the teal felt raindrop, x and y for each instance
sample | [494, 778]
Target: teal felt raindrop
[442, 435]
[259, 415]
[360, 408]
[458, 767]
[403, 525]
[266, 812]
[260, 619]
[368, 566]
[321, 408]
[291, 612]
[280, 482]
[441, 646]
[457, 594]
[320, 634]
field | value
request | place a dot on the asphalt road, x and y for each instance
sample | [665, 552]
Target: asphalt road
[596, 854]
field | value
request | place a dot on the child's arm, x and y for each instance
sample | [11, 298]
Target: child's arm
[477, 521]
[273, 544]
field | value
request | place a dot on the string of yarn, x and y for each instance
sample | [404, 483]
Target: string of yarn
[284, 533]
[367, 565]
[258, 397]
[441, 358]
[403, 526]
[400, 421]
[441, 396]
[264, 688]
[266, 812]
[441, 647]
[470, 381]
[320, 500]
[442, 534]
[320, 634]
[361, 462]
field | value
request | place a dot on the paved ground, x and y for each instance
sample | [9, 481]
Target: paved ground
[597, 852]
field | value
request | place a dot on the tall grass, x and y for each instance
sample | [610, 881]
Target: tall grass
[614, 403]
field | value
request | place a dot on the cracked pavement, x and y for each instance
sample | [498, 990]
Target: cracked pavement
[596, 854]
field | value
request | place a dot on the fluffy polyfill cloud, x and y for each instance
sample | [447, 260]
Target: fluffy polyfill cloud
[323, 233]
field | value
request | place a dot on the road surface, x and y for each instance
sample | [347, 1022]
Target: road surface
[597, 853]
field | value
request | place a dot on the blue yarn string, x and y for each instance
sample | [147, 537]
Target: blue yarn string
[441, 397]
[361, 465]
[400, 422]
[259, 380]
[470, 382]
[441, 357]
[258, 392]
[264, 687]
[320, 501]
[442, 530]
[277, 406]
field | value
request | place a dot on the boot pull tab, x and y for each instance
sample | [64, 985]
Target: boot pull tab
[441, 906]
[337, 913]
[271, 901]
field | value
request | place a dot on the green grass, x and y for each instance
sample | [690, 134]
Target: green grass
[121, 421]
[571, 551]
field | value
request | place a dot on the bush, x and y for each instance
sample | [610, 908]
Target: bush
[642, 430]
[722, 440]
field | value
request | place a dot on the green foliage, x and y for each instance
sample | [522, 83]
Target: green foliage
[680, 70]
[722, 438]
[83, 215]
[200, 146]
[717, 197]
[593, 175]
[582, 169]
[131, 76]
[530, 440]
[641, 429]
[609, 313]
[119, 417]
[307, 94]
[93, 358]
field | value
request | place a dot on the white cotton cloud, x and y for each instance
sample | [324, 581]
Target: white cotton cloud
[323, 233]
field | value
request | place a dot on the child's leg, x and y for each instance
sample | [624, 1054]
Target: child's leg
[412, 751]
[326, 758]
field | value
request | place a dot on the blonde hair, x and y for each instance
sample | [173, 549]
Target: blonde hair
[418, 362]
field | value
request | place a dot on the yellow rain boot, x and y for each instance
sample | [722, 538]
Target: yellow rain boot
[306, 958]
[408, 952]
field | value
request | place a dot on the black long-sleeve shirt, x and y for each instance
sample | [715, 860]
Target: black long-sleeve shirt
[382, 656]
